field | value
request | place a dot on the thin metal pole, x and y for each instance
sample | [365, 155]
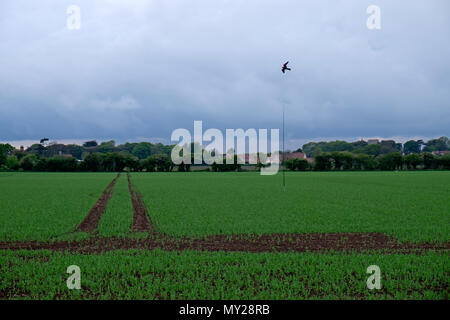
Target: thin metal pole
[283, 163]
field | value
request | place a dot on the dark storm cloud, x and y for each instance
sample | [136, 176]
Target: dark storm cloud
[145, 68]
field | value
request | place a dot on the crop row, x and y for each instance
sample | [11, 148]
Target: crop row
[217, 275]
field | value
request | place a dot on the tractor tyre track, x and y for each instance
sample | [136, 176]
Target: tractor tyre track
[90, 223]
[317, 242]
[141, 220]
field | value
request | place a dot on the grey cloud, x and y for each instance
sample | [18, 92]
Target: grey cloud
[145, 68]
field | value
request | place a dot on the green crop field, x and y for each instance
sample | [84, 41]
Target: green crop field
[38, 206]
[181, 255]
[118, 215]
[412, 206]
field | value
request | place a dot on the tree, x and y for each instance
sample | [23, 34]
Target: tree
[142, 150]
[388, 148]
[159, 162]
[75, 150]
[429, 161]
[412, 146]
[36, 148]
[347, 160]
[28, 162]
[364, 162]
[93, 162]
[148, 164]
[297, 164]
[184, 167]
[390, 161]
[309, 148]
[107, 146]
[62, 164]
[338, 146]
[113, 162]
[12, 162]
[235, 166]
[441, 144]
[444, 161]
[159, 148]
[412, 160]
[162, 162]
[41, 165]
[372, 149]
[323, 162]
[336, 160]
[90, 144]
[342, 160]
[5, 150]
[289, 163]
[131, 163]
[53, 150]
[126, 147]
[315, 148]
[359, 143]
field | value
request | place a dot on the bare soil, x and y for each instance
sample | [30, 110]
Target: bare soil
[141, 220]
[317, 242]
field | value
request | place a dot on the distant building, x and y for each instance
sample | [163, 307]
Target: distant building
[373, 141]
[294, 155]
[440, 153]
[67, 155]
[298, 155]
[247, 157]
[288, 155]
[388, 143]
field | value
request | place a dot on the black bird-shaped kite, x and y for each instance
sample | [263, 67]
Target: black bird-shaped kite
[43, 140]
[285, 67]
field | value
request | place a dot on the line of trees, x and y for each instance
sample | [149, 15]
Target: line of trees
[140, 150]
[145, 156]
[90, 156]
[376, 148]
[224, 166]
[297, 164]
[342, 161]
[95, 162]
[36, 159]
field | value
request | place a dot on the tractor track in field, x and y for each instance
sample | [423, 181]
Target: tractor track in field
[317, 242]
[141, 219]
[90, 223]
[310, 242]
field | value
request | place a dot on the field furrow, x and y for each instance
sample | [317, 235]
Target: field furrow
[90, 223]
[141, 220]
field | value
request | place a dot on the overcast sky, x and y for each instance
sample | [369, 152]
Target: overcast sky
[137, 70]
